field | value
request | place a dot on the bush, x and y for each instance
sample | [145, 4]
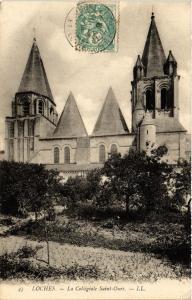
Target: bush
[13, 266]
[7, 221]
[26, 188]
[26, 252]
[90, 211]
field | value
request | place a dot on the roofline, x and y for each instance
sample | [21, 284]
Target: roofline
[88, 136]
[63, 137]
[100, 135]
[184, 130]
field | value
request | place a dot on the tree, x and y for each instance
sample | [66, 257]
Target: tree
[74, 190]
[139, 178]
[182, 186]
[93, 178]
[27, 187]
[80, 188]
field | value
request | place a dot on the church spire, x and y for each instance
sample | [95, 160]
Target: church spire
[34, 78]
[153, 55]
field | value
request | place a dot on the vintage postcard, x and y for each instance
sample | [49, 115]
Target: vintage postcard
[95, 149]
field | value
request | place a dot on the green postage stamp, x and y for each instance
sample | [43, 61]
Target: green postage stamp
[96, 26]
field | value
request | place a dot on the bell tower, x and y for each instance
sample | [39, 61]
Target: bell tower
[155, 81]
[33, 111]
[155, 106]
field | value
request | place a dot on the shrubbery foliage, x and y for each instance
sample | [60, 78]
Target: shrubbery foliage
[136, 182]
[26, 188]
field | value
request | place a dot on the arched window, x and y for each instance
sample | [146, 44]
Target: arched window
[26, 107]
[67, 155]
[35, 107]
[56, 155]
[150, 100]
[41, 107]
[51, 111]
[169, 100]
[101, 153]
[11, 129]
[164, 98]
[113, 149]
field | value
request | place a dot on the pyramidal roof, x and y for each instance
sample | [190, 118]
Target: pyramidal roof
[171, 58]
[70, 123]
[153, 55]
[139, 62]
[34, 77]
[110, 120]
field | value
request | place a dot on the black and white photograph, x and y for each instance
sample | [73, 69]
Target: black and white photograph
[95, 149]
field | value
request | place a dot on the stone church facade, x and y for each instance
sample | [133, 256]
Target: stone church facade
[34, 134]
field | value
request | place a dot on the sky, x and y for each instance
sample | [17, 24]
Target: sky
[89, 76]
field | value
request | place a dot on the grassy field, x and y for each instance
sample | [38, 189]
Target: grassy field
[101, 250]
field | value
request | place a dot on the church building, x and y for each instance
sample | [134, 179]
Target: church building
[34, 134]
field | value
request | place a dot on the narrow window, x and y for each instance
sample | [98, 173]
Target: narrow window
[164, 98]
[41, 107]
[51, 111]
[11, 149]
[20, 128]
[31, 128]
[35, 107]
[26, 108]
[150, 100]
[169, 100]
[56, 155]
[11, 130]
[101, 153]
[67, 155]
[113, 149]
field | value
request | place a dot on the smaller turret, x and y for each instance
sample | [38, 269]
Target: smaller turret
[138, 70]
[147, 133]
[170, 65]
[138, 115]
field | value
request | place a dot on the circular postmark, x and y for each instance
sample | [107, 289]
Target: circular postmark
[95, 27]
[69, 26]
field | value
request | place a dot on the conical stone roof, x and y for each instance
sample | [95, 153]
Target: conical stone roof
[34, 77]
[70, 123]
[171, 58]
[110, 120]
[153, 55]
[139, 62]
